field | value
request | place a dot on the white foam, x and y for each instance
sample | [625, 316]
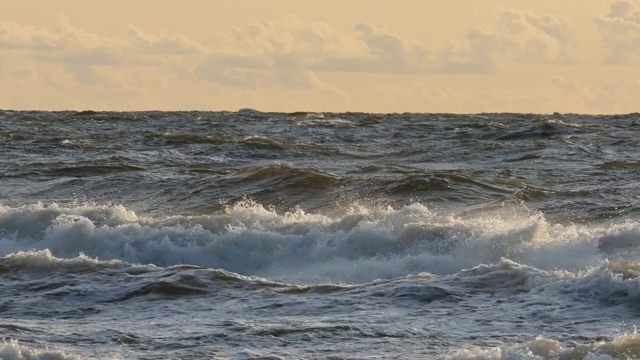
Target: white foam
[611, 283]
[12, 350]
[43, 260]
[354, 244]
[622, 347]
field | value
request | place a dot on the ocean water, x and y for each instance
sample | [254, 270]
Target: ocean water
[250, 235]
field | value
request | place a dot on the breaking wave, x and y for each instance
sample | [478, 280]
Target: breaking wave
[12, 350]
[354, 244]
[621, 347]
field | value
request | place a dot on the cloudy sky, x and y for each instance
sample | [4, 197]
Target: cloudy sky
[461, 56]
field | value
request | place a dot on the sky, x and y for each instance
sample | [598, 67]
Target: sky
[454, 56]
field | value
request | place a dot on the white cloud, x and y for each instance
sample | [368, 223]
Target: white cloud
[163, 44]
[273, 54]
[232, 70]
[517, 36]
[63, 36]
[620, 30]
[376, 51]
[293, 36]
[81, 53]
[249, 72]
[90, 56]
[26, 36]
[537, 38]
[289, 52]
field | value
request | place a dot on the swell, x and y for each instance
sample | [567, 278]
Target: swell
[283, 185]
[283, 171]
[541, 129]
[83, 168]
[451, 184]
[611, 284]
[262, 142]
[620, 165]
[91, 169]
[191, 161]
[186, 138]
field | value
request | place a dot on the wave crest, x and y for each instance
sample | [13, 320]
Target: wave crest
[354, 244]
[621, 347]
[12, 350]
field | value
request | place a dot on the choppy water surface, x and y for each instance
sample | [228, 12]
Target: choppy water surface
[242, 235]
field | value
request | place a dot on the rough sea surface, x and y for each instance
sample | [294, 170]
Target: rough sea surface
[250, 235]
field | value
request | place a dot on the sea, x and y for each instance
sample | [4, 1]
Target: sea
[258, 235]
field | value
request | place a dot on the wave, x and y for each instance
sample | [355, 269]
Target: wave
[613, 283]
[262, 142]
[286, 178]
[620, 165]
[620, 347]
[444, 181]
[192, 138]
[99, 167]
[93, 169]
[541, 129]
[352, 244]
[12, 350]
[44, 261]
[321, 121]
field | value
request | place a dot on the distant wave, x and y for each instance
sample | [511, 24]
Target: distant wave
[621, 165]
[193, 138]
[287, 177]
[262, 142]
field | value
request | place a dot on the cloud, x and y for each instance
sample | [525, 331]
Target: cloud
[231, 70]
[249, 72]
[518, 36]
[290, 52]
[377, 51]
[85, 75]
[620, 31]
[76, 51]
[537, 38]
[271, 54]
[26, 36]
[293, 36]
[163, 44]
[80, 53]
[63, 36]
[94, 56]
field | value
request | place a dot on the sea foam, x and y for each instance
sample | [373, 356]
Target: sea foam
[354, 244]
[621, 347]
[12, 350]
